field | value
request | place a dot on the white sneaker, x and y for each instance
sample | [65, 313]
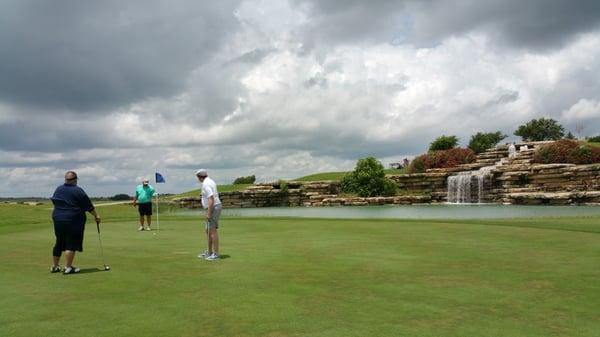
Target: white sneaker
[212, 257]
[141, 228]
[71, 270]
[148, 228]
[204, 254]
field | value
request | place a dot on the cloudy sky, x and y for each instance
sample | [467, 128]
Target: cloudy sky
[118, 89]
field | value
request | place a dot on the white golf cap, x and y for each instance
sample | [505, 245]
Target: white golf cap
[201, 173]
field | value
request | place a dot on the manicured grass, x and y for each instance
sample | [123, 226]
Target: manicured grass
[304, 277]
[336, 176]
[594, 144]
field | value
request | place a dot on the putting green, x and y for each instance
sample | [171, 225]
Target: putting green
[304, 277]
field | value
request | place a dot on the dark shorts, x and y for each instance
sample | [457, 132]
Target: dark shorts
[145, 208]
[69, 236]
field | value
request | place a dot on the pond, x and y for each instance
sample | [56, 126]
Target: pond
[412, 212]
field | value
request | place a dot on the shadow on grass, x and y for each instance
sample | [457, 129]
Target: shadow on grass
[90, 270]
[224, 256]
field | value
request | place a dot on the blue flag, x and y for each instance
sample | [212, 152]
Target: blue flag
[159, 178]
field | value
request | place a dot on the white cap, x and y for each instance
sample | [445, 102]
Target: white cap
[201, 173]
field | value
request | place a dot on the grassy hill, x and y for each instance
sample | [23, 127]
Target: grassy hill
[338, 175]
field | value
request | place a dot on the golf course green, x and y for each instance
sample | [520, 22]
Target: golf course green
[303, 277]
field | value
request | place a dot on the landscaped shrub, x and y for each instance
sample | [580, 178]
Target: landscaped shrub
[245, 180]
[283, 186]
[368, 180]
[443, 143]
[441, 159]
[567, 151]
[417, 165]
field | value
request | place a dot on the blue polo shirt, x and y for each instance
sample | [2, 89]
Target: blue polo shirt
[70, 204]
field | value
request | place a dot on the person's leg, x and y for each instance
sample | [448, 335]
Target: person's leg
[55, 261]
[141, 222]
[214, 228]
[215, 240]
[69, 256]
[209, 239]
[58, 246]
[149, 220]
[73, 243]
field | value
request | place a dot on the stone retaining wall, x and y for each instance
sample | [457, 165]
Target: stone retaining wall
[559, 184]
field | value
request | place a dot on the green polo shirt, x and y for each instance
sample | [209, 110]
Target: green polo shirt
[144, 194]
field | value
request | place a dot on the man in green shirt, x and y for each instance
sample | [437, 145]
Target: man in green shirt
[143, 199]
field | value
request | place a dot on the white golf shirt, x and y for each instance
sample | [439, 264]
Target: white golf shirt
[209, 188]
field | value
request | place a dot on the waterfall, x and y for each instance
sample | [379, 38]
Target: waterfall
[463, 186]
[512, 151]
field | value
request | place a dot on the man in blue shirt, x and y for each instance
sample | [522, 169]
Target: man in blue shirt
[143, 198]
[70, 204]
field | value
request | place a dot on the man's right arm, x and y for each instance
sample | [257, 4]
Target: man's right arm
[89, 206]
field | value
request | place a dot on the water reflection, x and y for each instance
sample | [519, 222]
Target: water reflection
[412, 212]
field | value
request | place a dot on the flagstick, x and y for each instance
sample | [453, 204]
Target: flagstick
[157, 220]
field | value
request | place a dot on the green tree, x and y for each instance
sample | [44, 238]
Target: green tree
[540, 129]
[368, 179]
[482, 141]
[443, 143]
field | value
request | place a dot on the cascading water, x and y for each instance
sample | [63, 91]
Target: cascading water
[462, 185]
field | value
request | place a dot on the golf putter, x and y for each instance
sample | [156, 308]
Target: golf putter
[101, 250]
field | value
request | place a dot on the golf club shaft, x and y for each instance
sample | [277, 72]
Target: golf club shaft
[100, 241]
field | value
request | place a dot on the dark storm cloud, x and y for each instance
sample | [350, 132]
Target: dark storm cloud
[352, 20]
[536, 24]
[46, 133]
[84, 55]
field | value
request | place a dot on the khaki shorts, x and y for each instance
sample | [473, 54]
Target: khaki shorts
[214, 220]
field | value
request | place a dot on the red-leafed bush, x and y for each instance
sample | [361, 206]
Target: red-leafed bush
[441, 159]
[567, 151]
